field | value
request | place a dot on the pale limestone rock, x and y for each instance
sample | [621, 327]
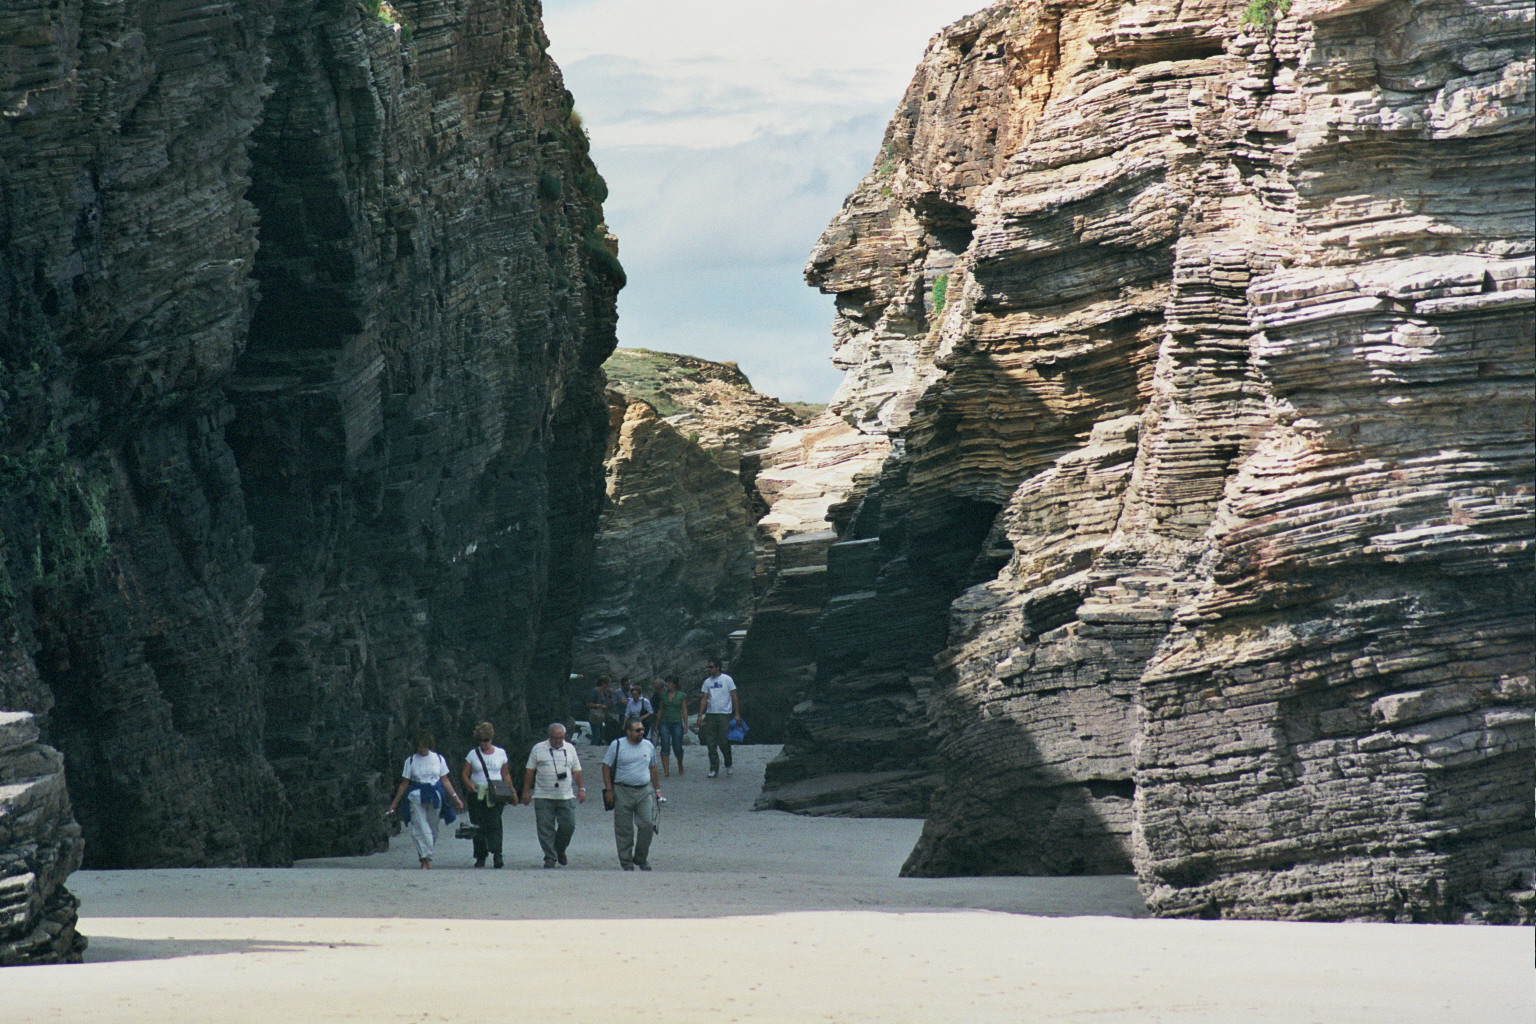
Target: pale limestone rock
[1205, 535]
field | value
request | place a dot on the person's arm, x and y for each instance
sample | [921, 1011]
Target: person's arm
[608, 773]
[655, 781]
[448, 788]
[506, 776]
[735, 706]
[405, 784]
[469, 783]
[528, 786]
[650, 710]
[581, 790]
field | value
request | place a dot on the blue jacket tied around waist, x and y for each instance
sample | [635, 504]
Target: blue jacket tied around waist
[431, 795]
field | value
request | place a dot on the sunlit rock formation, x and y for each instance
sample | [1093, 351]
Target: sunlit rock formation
[302, 309]
[676, 553]
[1205, 352]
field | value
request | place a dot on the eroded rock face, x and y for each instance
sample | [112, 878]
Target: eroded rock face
[303, 421]
[673, 574]
[1207, 358]
[40, 845]
[681, 549]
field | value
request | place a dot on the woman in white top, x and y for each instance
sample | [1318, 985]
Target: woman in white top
[484, 810]
[424, 785]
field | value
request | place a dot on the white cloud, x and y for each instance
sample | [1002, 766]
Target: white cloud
[729, 133]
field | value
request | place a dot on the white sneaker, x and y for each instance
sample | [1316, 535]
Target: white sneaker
[727, 769]
[712, 774]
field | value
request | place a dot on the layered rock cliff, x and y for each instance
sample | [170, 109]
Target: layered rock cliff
[676, 552]
[1205, 349]
[304, 305]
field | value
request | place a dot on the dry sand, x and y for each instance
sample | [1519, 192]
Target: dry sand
[748, 917]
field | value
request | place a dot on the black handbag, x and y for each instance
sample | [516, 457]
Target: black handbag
[501, 793]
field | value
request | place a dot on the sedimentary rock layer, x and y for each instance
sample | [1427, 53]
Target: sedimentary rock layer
[40, 845]
[672, 577]
[303, 419]
[693, 464]
[1206, 352]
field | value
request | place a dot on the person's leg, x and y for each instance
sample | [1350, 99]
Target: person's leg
[421, 834]
[544, 813]
[624, 825]
[427, 845]
[725, 743]
[713, 735]
[492, 832]
[680, 728]
[565, 818]
[477, 816]
[645, 827]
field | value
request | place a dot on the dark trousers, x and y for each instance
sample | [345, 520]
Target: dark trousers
[488, 817]
[598, 720]
[712, 735]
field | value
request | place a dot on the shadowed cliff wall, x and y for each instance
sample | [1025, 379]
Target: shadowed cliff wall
[303, 419]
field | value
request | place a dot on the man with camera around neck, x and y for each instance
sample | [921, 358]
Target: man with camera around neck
[552, 782]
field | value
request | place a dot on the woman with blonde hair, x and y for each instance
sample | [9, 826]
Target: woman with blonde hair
[485, 763]
[425, 787]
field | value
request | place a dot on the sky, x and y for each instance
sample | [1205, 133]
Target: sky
[729, 132]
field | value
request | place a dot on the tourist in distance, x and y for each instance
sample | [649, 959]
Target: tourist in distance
[671, 720]
[718, 707]
[629, 773]
[599, 707]
[425, 787]
[486, 762]
[552, 783]
[637, 706]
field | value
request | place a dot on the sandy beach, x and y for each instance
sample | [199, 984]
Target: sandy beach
[747, 917]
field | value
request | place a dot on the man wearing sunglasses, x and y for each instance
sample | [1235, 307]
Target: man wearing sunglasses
[629, 774]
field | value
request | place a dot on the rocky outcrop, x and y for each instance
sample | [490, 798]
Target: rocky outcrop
[1205, 349]
[808, 477]
[40, 845]
[304, 306]
[677, 545]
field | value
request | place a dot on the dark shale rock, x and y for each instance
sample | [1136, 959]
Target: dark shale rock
[1206, 355]
[303, 315]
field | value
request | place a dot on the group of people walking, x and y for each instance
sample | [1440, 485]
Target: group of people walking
[553, 780]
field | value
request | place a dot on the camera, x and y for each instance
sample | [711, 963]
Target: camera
[560, 776]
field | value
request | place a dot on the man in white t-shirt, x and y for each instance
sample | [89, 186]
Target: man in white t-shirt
[718, 707]
[552, 783]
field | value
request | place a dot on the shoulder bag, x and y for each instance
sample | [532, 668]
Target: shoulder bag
[501, 793]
